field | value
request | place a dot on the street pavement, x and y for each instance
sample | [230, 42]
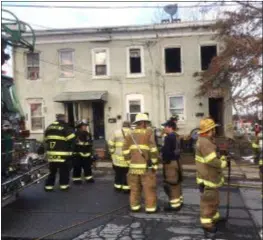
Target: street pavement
[37, 213]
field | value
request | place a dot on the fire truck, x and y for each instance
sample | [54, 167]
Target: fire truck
[20, 165]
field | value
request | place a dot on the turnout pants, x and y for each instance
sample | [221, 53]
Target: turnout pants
[63, 168]
[209, 206]
[147, 183]
[121, 181]
[172, 173]
[80, 163]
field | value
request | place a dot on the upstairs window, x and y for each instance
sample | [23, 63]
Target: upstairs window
[207, 54]
[66, 63]
[32, 66]
[100, 62]
[172, 57]
[135, 61]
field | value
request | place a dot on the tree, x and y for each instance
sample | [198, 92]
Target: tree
[239, 65]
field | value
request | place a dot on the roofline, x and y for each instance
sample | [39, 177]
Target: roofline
[130, 28]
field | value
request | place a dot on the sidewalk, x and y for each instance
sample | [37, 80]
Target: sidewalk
[238, 171]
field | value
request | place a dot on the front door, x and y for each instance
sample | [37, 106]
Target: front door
[216, 111]
[70, 113]
[98, 120]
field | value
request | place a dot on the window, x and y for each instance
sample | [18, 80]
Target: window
[100, 62]
[172, 60]
[32, 66]
[207, 54]
[134, 108]
[135, 61]
[135, 105]
[176, 106]
[66, 63]
[36, 117]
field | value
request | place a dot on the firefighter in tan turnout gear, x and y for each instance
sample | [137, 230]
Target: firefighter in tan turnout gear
[120, 166]
[172, 170]
[209, 175]
[141, 152]
[59, 140]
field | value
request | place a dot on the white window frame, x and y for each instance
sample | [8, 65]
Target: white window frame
[60, 62]
[133, 97]
[182, 60]
[184, 104]
[204, 44]
[135, 75]
[107, 76]
[39, 66]
[29, 118]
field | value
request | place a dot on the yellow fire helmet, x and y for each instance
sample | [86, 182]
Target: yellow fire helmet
[206, 125]
[141, 117]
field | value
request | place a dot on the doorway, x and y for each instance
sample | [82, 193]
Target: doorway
[72, 113]
[98, 120]
[216, 111]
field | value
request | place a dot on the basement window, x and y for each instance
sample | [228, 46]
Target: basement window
[173, 60]
[207, 54]
[135, 60]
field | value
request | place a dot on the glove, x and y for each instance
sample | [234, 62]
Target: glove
[155, 167]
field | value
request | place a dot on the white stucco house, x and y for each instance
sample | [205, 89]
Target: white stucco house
[107, 75]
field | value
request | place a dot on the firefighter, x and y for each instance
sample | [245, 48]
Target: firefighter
[172, 170]
[59, 140]
[141, 153]
[120, 166]
[83, 157]
[209, 175]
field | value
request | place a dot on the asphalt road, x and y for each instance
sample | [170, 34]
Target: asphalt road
[37, 213]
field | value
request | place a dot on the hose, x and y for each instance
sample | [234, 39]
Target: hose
[81, 223]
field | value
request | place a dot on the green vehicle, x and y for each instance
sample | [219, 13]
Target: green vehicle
[19, 168]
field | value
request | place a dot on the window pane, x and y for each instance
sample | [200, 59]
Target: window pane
[36, 109]
[33, 59]
[135, 106]
[101, 70]
[66, 71]
[173, 60]
[176, 102]
[132, 117]
[33, 73]
[100, 57]
[176, 111]
[37, 123]
[135, 53]
[66, 58]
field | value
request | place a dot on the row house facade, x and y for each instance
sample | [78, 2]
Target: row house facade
[108, 75]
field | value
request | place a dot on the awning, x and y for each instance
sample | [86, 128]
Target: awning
[81, 96]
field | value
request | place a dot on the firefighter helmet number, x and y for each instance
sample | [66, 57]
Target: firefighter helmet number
[52, 145]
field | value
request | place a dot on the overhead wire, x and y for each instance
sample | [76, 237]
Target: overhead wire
[111, 7]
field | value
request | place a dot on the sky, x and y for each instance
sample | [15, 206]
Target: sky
[43, 18]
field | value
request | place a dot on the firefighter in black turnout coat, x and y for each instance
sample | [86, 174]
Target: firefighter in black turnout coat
[59, 140]
[83, 158]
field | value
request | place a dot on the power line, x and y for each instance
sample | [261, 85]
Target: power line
[114, 7]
